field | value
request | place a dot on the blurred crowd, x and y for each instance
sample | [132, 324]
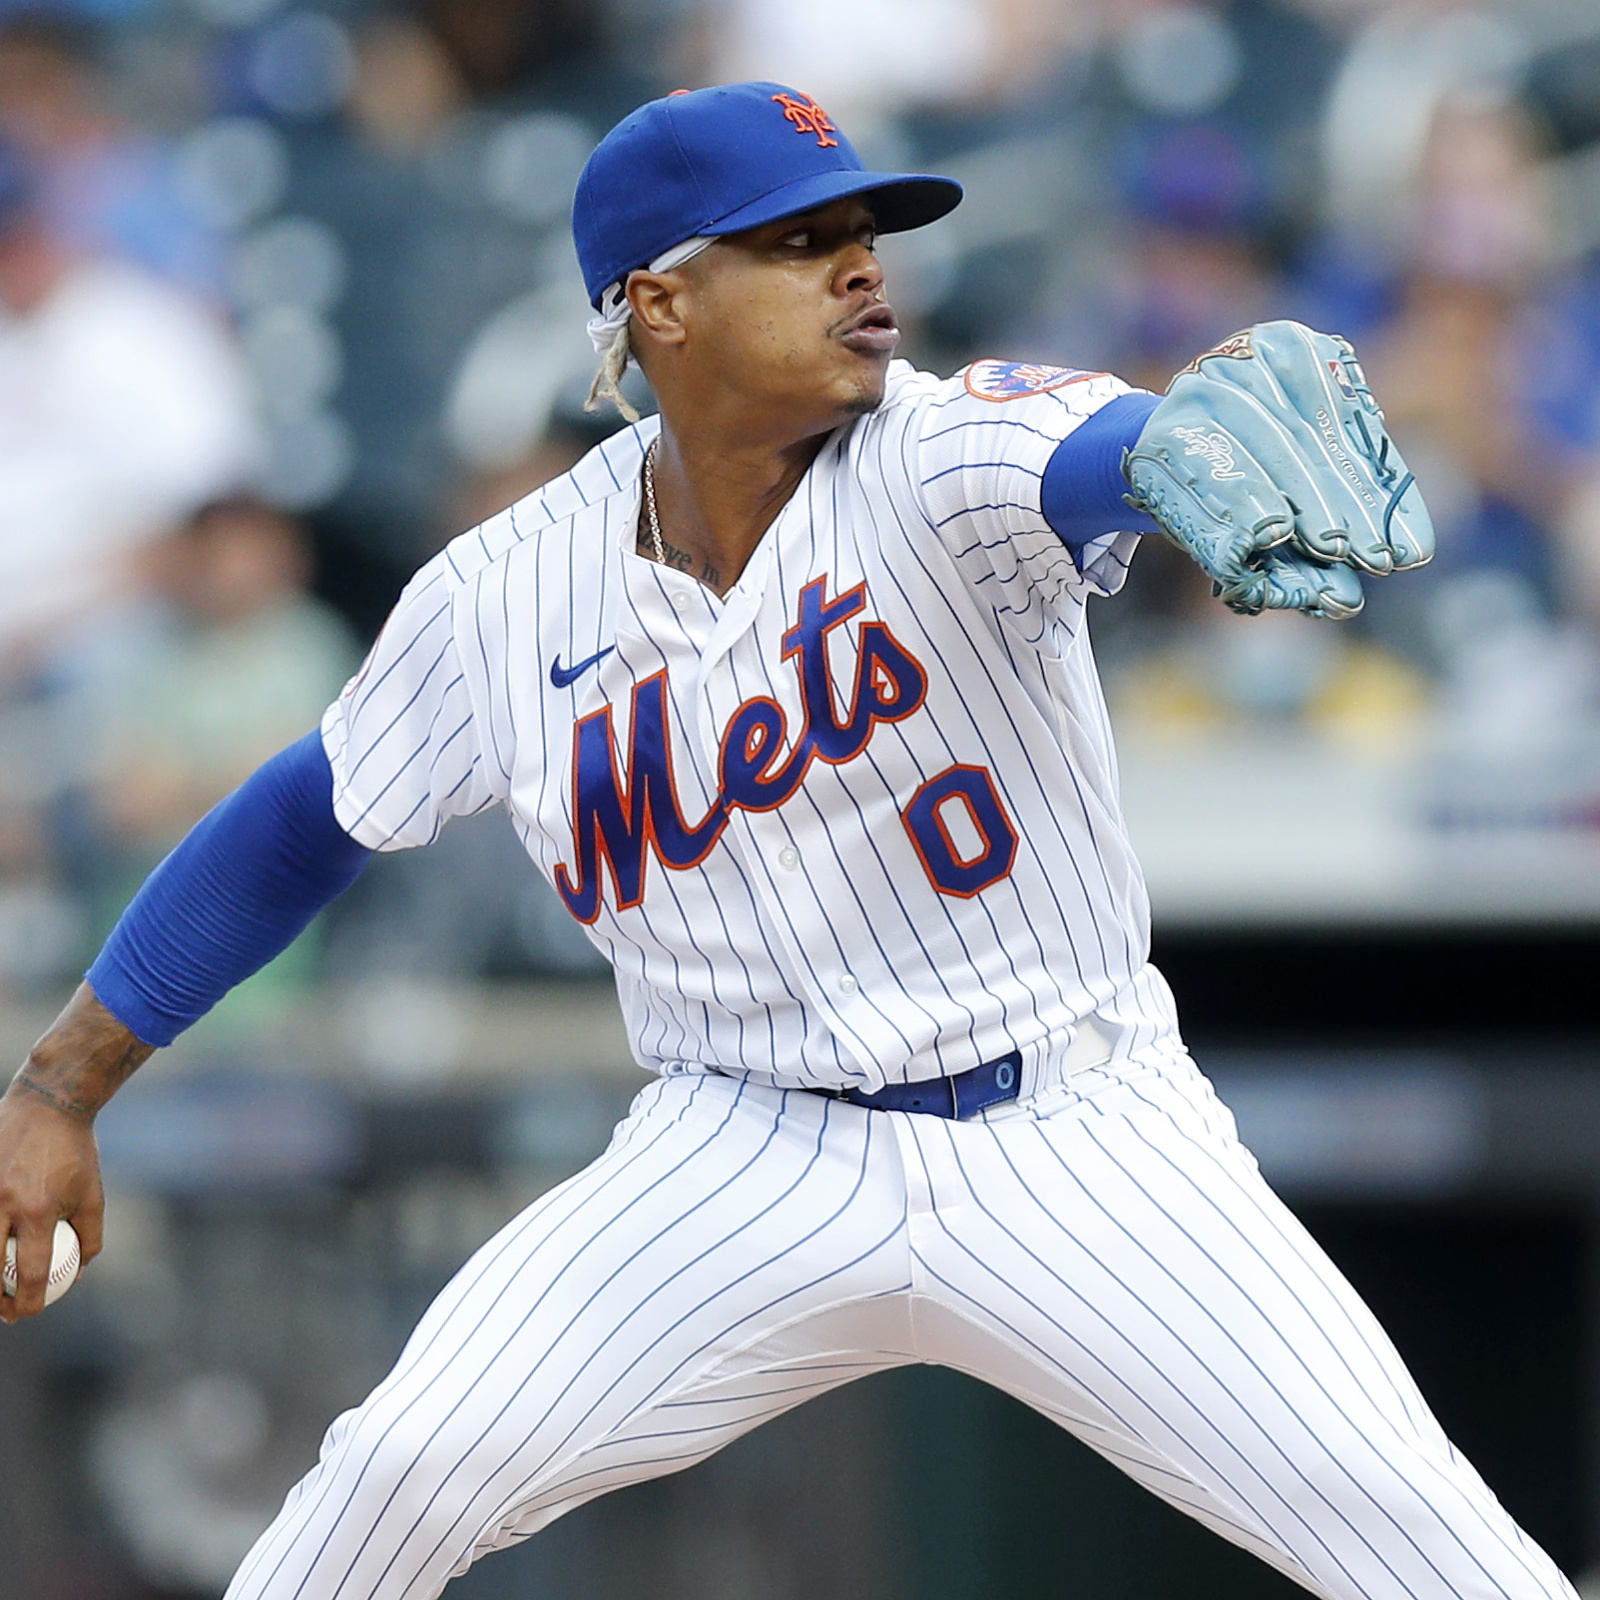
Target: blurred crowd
[287, 298]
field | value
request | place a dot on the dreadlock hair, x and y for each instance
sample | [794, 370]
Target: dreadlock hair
[607, 383]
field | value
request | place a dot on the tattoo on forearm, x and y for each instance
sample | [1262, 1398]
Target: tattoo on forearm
[43, 1091]
[81, 1087]
[83, 1060]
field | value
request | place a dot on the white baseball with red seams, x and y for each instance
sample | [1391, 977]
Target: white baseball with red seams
[66, 1257]
[854, 824]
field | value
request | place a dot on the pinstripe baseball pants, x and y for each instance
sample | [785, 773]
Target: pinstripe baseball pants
[1104, 1250]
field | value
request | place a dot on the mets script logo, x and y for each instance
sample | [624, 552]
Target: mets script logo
[807, 117]
[1011, 380]
[956, 820]
[1216, 447]
[619, 818]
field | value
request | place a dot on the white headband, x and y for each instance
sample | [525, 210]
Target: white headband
[614, 309]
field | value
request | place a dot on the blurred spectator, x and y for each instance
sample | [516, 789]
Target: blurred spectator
[444, 185]
[515, 412]
[1578, 546]
[1213, 670]
[410, 248]
[123, 404]
[1406, 62]
[866, 60]
[1452, 367]
[569, 434]
[1258, 67]
[1519, 688]
[550, 54]
[245, 662]
[1192, 133]
[1192, 265]
[104, 189]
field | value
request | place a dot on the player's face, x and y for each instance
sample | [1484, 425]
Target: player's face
[796, 310]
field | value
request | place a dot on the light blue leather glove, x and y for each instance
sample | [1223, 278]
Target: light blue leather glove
[1268, 462]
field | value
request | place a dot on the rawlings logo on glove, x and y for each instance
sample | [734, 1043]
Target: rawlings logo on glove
[1215, 446]
[1306, 490]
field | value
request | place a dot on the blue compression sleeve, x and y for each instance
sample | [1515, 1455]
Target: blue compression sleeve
[236, 892]
[1083, 485]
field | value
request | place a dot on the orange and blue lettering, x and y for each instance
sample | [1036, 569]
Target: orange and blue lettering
[950, 869]
[618, 818]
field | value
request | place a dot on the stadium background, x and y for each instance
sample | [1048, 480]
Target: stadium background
[287, 299]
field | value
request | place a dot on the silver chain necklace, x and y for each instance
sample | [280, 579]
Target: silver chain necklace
[650, 500]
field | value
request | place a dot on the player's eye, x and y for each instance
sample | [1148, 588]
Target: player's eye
[800, 239]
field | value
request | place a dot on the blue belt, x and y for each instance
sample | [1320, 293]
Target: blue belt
[960, 1097]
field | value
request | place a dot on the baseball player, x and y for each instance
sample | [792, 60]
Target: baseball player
[789, 694]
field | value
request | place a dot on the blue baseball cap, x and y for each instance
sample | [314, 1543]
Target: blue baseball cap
[714, 161]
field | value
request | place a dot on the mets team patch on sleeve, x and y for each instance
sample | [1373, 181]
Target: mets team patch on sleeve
[1011, 380]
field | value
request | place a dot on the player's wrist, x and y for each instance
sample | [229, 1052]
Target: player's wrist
[81, 1061]
[33, 1091]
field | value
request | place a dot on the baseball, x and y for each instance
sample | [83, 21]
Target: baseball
[65, 1259]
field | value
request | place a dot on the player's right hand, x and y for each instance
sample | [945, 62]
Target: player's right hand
[49, 1169]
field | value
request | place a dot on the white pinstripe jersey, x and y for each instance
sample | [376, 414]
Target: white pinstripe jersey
[856, 822]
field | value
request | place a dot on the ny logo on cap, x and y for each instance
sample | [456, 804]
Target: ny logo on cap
[807, 117]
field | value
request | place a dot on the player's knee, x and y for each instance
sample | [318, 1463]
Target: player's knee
[338, 1431]
[389, 1465]
[1407, 1511]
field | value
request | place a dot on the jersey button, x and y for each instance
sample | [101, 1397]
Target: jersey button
[788, 858]
[848, 984]
[680, 601]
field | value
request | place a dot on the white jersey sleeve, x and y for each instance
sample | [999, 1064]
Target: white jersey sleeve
[402, 737]
[985, 439]
[423, 732]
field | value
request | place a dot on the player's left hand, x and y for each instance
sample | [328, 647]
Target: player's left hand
[1270, 464]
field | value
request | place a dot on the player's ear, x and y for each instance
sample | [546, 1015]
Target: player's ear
[658, 303]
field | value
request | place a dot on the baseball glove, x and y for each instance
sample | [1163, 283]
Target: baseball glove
[1268, 462]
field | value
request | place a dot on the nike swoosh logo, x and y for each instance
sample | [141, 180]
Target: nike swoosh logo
[563, 677]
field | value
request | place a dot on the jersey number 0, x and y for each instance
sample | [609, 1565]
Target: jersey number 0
[956, 820]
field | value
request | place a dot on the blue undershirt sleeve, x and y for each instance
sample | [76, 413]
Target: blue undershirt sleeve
[238, 891]
[1082, 489]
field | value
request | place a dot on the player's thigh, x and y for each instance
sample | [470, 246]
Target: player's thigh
[618, 1328]
[1121, 1264]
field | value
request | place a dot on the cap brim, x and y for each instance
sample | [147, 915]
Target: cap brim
[900, 200]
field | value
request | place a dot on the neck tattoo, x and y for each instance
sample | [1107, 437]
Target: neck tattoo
[662, 549]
